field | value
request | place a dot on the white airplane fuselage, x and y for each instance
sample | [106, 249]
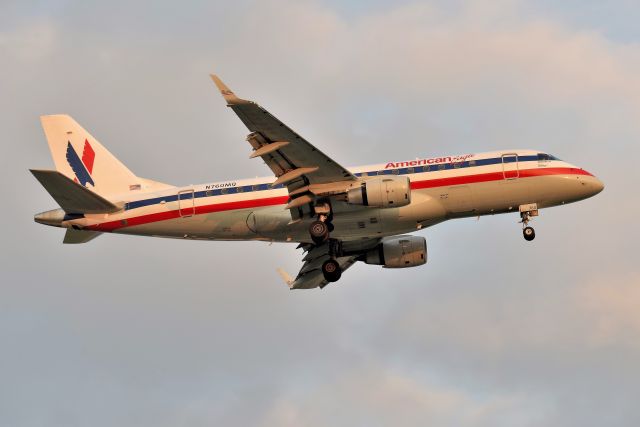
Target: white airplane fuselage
[442, 188]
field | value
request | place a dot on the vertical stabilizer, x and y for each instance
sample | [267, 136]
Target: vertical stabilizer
[80, 157]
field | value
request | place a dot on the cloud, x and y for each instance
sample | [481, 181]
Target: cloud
[30, 43]
[420, 69]
[611, 306]
[373, 396]
[493, 331]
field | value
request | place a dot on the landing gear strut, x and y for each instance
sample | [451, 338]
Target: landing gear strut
[319, 231]
[526, 212]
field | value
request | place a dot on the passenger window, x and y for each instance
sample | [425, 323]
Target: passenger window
[441, 167]
[410, 170]
[209, 193]
[224, 191]
[543, 157]
[395, 171]
[472, 162]
[256, 188]
[240, 189]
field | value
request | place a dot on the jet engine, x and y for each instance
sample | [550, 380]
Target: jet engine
[398, 252]
[381, 192]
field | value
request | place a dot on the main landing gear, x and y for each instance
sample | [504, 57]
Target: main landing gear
[331, 270]
[319, 231]
[526, 212]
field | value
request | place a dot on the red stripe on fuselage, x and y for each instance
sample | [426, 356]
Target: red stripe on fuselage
[163, 216]
[494, 176]
[281, 200]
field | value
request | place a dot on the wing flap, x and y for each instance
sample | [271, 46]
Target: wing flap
[310, 275]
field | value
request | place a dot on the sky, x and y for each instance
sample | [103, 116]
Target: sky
[493, 331]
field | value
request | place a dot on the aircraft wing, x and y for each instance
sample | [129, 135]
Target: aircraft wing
[310, 275]
[293, 160]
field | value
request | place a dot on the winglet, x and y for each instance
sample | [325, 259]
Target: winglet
[285, 276]
[227, 94]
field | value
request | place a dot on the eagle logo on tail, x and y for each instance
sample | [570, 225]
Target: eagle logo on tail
[82, 168]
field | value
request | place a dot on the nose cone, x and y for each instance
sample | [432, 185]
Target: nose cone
[595, 185]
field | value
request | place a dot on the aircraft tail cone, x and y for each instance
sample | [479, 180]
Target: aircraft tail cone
[53, 217]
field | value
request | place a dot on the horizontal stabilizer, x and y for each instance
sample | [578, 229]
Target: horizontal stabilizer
[71, 196]
[79, 236]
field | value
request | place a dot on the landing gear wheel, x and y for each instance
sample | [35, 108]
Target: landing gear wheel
[528, 233]
[319, 232]
[331, 270]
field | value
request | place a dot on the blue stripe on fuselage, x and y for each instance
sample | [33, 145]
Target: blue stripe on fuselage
[401, 171]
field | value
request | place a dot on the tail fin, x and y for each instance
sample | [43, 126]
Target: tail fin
[81, 158]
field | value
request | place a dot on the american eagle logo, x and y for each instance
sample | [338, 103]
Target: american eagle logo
[82, 168]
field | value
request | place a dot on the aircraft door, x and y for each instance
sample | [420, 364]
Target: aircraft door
[186, 203]
[510, 168]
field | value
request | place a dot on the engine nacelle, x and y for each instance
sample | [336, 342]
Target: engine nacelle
[399, 252]
[382, 192]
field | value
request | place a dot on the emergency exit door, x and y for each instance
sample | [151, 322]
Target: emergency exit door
[186, 203]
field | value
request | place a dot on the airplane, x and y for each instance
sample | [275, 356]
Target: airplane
[337, 215]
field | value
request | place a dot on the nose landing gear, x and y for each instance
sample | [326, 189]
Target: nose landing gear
[529, 233]
[526, 212]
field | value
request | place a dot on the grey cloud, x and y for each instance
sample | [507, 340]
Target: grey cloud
[493, 331]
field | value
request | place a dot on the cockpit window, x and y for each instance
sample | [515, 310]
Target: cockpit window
[542, 157]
